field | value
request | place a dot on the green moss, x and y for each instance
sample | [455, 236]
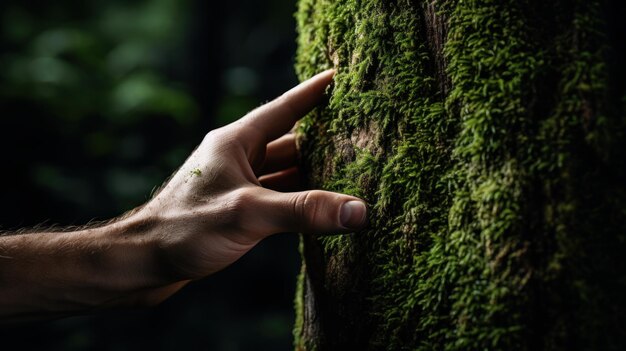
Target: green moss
[477, 240]
[299, 306]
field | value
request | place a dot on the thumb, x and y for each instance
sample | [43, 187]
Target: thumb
[316, 211]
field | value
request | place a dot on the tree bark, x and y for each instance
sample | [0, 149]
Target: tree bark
[488, 139]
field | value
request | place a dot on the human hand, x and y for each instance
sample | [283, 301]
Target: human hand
[225, 197]
[223, 201]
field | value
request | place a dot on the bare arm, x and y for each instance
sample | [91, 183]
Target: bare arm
[221, 203]
[49, 275]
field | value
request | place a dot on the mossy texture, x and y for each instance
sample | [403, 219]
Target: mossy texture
[488, 141]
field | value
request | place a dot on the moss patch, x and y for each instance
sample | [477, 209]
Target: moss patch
[496, 207]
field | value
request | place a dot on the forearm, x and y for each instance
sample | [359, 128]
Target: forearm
[48, 274]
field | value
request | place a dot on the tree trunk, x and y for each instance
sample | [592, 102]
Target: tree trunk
[488, 138]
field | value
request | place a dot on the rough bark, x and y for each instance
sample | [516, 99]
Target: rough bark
[488, 140]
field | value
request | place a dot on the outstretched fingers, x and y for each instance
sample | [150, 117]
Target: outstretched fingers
[274, 164]
[277, 117]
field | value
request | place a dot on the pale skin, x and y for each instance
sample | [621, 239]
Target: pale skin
[225, 199]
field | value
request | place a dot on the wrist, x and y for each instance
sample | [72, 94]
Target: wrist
[129, 259]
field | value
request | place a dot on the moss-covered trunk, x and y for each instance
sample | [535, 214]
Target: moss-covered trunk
[488, 138]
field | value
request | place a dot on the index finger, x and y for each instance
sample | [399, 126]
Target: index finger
[276, 118]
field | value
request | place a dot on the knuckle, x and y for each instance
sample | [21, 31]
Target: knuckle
[286, 102]
[306, 208]
[221, 139]
[241, 201]
[233, 208]
[220, 135]
[213, 135]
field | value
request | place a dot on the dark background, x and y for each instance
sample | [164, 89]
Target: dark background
[100, 101]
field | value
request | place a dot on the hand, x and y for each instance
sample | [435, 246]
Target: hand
[221, 203]
[223, 200]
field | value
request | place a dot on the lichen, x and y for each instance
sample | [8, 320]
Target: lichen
[487, 200]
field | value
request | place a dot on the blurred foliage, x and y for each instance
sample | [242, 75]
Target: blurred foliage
[109, 69]
[101, 101]
[98, 76]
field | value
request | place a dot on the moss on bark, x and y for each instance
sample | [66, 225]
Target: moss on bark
[488, 140]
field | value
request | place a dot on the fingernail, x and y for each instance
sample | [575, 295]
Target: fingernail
[352, 215]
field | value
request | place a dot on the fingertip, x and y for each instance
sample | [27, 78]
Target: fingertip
[329, 72]
[353, 214]
[278, 116]
[325, 76]
[321, 79]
